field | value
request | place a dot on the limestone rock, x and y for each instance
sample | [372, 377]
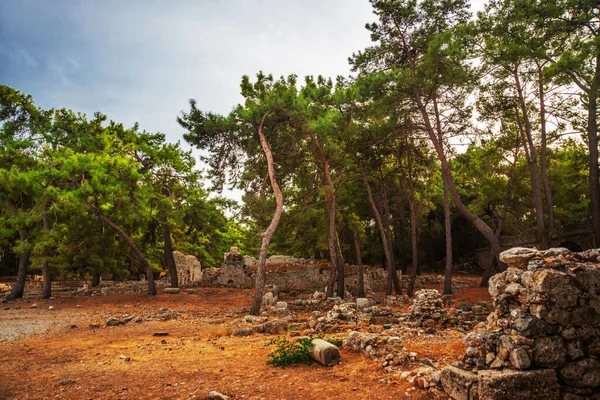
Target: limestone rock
[459, 384]
[362, 303]
[520, 359]
[324, 352]
[518, 385]
[188, 268]
[518, 256]
[549, 352]
[214, 395]
[172, 290]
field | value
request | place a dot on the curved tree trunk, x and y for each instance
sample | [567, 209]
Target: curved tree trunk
[268, 233]
[18, 288]
[168, 250]
[477, 222]
[47, 285]
[132, 246]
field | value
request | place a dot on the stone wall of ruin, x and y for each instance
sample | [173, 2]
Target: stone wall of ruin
[541, 340]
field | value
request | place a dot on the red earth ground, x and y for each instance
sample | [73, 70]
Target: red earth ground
[73, 360]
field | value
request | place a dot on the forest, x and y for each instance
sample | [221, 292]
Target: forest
[452, 132]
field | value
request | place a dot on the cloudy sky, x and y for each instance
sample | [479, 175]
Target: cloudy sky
[141, 60]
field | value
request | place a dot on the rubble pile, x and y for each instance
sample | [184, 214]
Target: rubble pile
[387, 348]
[345, 315]
[541, 340]
[253, 324]
[428, 310]
[465, 316]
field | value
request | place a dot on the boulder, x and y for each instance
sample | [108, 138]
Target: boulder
[538, 384]
[324, 352]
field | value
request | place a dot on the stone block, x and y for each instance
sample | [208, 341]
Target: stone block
[324, 352]
[459, 384]
[538, 384]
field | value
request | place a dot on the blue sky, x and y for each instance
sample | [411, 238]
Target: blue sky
[141, 60]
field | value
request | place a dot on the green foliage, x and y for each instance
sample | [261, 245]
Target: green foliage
[290, 352]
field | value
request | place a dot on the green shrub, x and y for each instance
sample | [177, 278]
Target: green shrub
[290, 352]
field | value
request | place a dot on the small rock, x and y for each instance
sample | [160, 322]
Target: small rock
[243, 332]
[66, 382]
[161, 334]
[172, 290]
[51, 308]
[33, 306]
[192, 291]
[214, 395]
[113, 322]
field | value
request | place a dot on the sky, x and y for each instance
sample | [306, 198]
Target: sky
[142, 60]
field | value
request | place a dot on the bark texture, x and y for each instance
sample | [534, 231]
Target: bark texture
[268, 233]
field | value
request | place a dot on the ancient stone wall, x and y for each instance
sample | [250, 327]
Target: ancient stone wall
[188, 268]
[542, 339]
[235, 272]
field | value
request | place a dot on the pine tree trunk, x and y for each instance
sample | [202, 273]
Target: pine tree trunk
[95, 277]
[361, 279]
[333, 265]
[47, 285]
[391, 267]
[132, 246]
[544, 157]
[536, 188]
[448, 235]
[592, 134]
[18, 288]
[447, 211]
[168, 250]
[337, 264]
[268, 233]
[341, 285]
[413, 237]
[477, 222]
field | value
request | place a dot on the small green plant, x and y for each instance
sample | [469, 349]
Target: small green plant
[290, 352]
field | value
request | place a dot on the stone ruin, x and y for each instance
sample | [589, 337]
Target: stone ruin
[188, 268]
[428, 309]
[542, 339]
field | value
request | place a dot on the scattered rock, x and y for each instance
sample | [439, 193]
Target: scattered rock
[160, 334]
[172, 290]
[214, 395]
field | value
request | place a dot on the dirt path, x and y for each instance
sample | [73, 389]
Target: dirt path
[73, 360]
